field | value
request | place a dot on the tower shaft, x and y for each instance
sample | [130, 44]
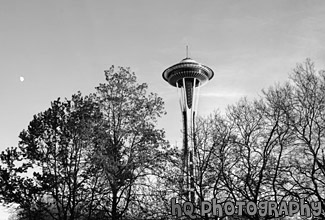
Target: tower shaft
[188, 163]
[188, 103]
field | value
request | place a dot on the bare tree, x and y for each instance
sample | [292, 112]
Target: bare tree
[307, 120]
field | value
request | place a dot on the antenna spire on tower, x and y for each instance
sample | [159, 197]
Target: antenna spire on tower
[186, 51]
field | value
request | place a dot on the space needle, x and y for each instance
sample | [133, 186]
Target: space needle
[188, 76]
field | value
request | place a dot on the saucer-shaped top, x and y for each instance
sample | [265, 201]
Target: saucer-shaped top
[188, 69]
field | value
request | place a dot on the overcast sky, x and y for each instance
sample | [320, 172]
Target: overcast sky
[61, 47]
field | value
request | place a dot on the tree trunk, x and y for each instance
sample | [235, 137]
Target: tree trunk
[114, 205]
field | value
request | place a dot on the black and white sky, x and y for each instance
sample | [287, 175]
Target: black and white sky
[63, 46]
